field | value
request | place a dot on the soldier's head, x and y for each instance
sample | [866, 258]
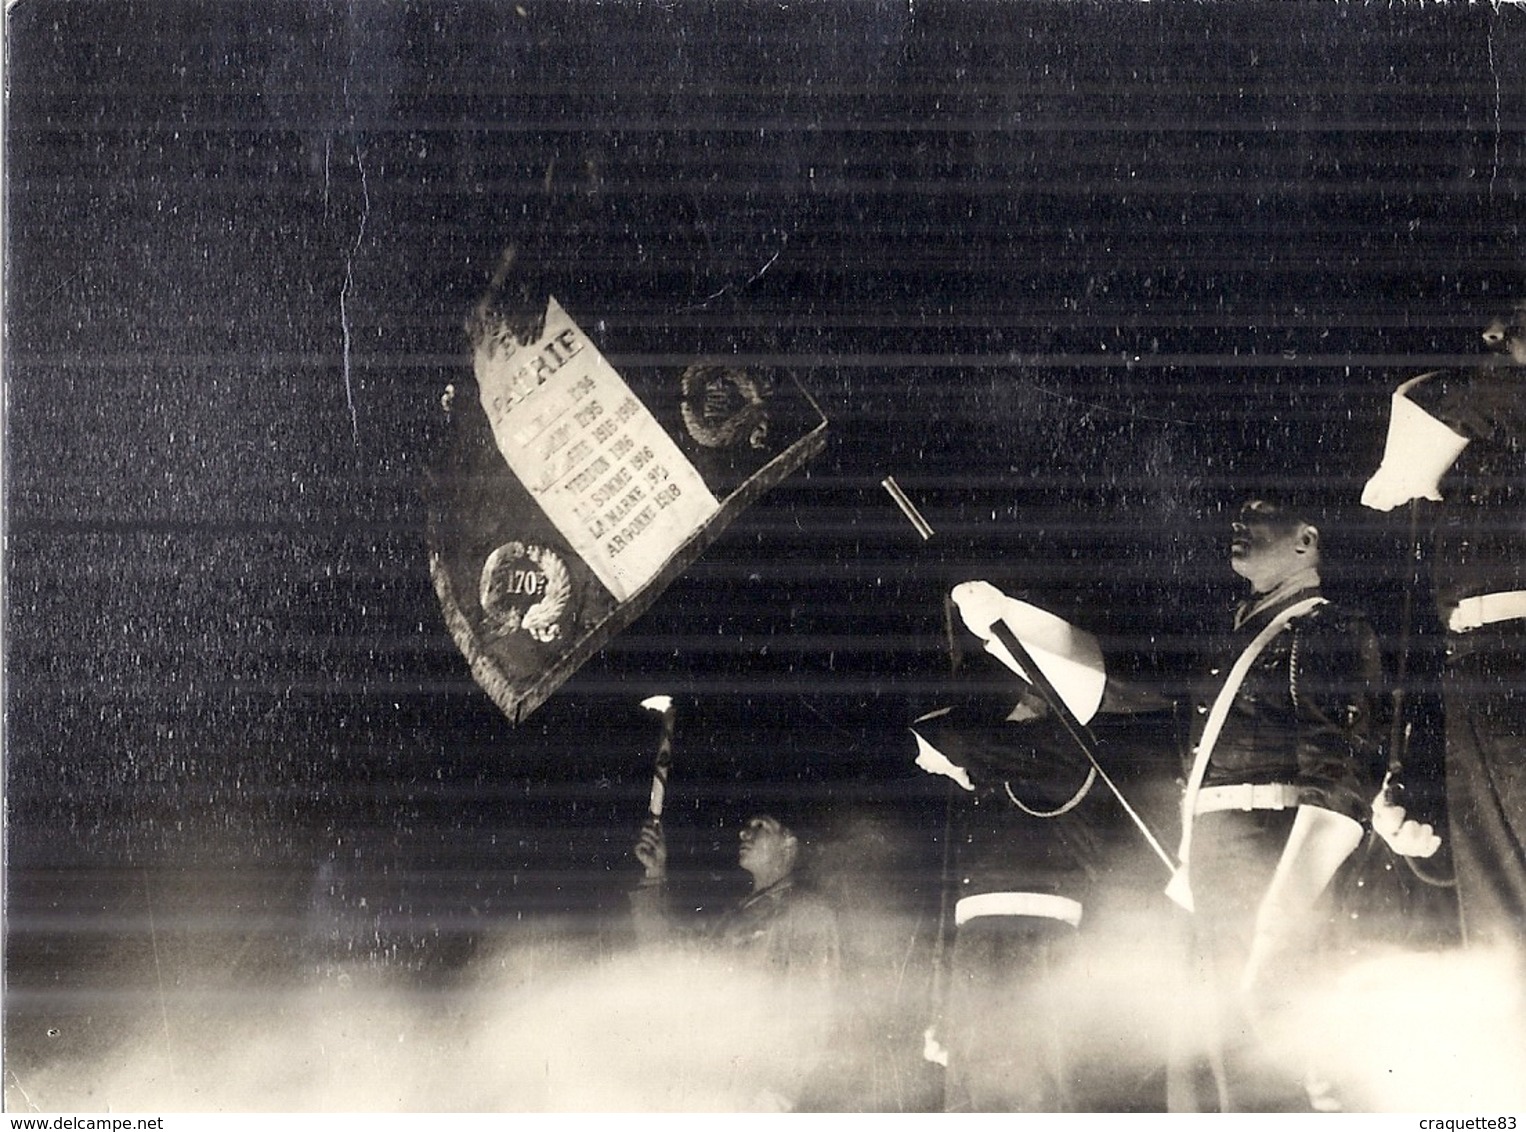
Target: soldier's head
[768, 849]
[1272, 539]
[1505, 334]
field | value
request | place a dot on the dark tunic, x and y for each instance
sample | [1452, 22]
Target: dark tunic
[1479, 547]
[1307, 711]
[1031, 826]
[1480, 527]
[1306, 716]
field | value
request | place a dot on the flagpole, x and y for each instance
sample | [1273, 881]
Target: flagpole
[1041, 683]
[1077, 731]
[1398, 740]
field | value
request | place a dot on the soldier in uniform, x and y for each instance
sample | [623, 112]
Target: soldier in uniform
[1026, 852]
[1286, 757]
[1285, 760]
[782, 931]
[1040, 1008]
[786, 926]
[1456, 447]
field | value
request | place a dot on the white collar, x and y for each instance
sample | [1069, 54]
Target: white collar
[1305, 579]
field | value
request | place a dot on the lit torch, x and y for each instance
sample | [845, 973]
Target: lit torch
[663, 705]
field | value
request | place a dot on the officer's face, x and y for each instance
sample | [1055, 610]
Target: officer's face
[1266, 547]
[1506, 335]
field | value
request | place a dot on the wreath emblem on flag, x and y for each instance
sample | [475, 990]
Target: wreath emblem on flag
[525, 588]
[723, 404]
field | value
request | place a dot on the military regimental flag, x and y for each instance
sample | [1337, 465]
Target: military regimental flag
[570, 495]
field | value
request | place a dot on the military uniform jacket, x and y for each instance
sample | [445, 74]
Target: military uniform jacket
[1307, 712]
[1480, 532]
[783, 928]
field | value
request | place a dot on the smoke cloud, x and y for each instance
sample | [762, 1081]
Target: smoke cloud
[531, 1029]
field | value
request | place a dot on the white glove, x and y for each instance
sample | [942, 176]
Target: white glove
[1417, 453]
[1405, 836]
[1070, 658]
[934, 761]
[980, 605]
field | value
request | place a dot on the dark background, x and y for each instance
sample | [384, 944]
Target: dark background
[1075, 274]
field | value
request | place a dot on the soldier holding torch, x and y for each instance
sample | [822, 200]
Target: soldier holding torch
[781, 930]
